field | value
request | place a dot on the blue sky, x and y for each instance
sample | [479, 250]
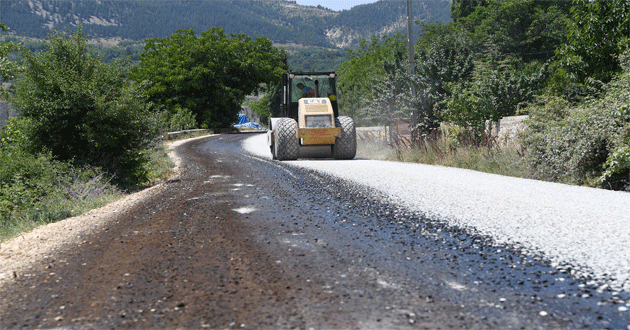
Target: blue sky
[337, 5]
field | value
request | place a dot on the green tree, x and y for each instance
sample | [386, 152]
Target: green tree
[209, 75]
[463, 8]
[391, 94]
[529, 29]
[445, 54]
[363, 70]
[261, 107]
[599, 32]
[84, 110]
[496, 89]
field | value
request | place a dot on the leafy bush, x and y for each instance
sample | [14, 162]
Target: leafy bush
[8, 69]
[262, 107]
[83, 110]
[617, 167]
[495, 91]
[34, 182]
[25, 179]
[585, 144]
[36, 190]
[391, 94]
[598, 33]
[13, 137]
[364, 69]
[182, 119]
[445, 55]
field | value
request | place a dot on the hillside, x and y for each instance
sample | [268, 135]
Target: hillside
[282, 21]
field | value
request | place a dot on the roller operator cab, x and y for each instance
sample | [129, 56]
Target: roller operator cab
[308, 119]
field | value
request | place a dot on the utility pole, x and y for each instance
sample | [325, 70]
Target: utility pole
[414, 113]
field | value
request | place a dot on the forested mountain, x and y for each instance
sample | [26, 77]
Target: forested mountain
[282, 21]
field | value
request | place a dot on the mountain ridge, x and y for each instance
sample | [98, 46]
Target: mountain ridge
[282, 21]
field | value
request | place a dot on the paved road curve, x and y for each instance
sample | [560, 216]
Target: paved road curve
[240, 241]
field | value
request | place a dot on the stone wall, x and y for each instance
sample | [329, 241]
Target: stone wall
[507, 127]
[252, 117]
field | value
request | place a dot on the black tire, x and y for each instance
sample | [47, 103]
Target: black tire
[345, 146]
[286, 143]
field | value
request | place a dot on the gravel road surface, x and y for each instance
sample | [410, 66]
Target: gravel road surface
[239, 241]
[583, 229]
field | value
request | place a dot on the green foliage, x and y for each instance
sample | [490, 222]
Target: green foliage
[391, 96]
[599, 33]
[494, 57]
[130, 52]
[445, 54]
[14, 136]
[314, 59]
[35, 190]
[210, 75]
[273, 94]
[366, 66]
[529, 29]
[160, 165]
[583, 144]
[496, 90]
[182, 119]
[29, 180]
[478, 68]
[83, 110]
[26, 179]
[617, 167]
[262, 107]
[462, 8]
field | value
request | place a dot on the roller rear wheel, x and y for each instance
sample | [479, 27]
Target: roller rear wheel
[345, 146]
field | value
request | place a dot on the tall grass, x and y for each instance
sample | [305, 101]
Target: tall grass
[454, 148]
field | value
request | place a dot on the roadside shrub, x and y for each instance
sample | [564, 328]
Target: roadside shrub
[496, 90]
[13, 136]
[160, 165]
[36, 190]
[83, 110]
[25, 179]
[262, 107]
[616, 175]
[182, 119]
[583, 144]
[36, 181]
